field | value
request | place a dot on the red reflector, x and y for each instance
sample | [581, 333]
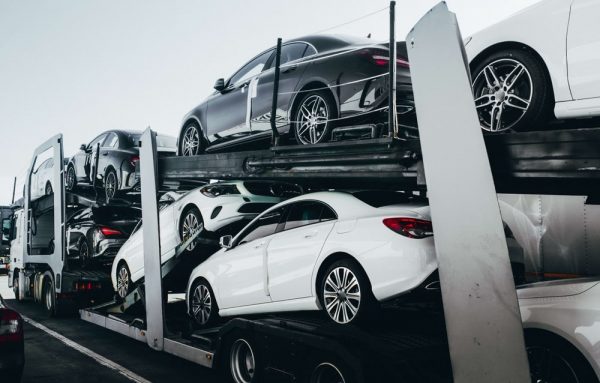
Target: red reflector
[380, 60]
[11, 326]
[107, 231]
[135, 159]
[410, 227]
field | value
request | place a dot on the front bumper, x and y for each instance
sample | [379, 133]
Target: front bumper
[106, 249]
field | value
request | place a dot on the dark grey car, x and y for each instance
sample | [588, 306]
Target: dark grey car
[325, 82]
[117, 157]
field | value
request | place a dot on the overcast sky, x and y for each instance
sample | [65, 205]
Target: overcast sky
[82, 67]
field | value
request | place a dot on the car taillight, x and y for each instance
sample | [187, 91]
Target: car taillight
[86, 286]
[134, 160]
[108, 232]
[11, 326]
[380, 60]
[410, 227]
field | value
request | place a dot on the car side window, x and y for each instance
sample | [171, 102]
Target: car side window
[251, 69]
[291, 52]
[307, 213]
[112, 141]
[264, 226]
[309, 51]
[97, 140]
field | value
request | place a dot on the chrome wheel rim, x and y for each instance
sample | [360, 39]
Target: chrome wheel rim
[311, 120]
[503, 91]
[70, 178]
[190, 226]
[547, 366]
[191, 141]
[242, 362]
[111, 185]
[327, 373]
[201, 304]
[123, 282]
[49, 298]
[341, 295]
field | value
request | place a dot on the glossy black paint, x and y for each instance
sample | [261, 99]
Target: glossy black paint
[119, 152]
[12, 350]
[327, 61]
[84, 226]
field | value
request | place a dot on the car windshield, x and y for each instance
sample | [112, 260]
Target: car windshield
[384, 198]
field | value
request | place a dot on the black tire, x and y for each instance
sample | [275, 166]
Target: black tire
[190, 219]
[241, 361]
[355, 298]
[123, 277]
[48, 190]
[84, 253]
[16, 287]
[532, 84]
[329, 370]
[554, 359]
[49, 297]
[190, 140]
[111, 184]
[203, 311]
[320, 105]
[71, 181]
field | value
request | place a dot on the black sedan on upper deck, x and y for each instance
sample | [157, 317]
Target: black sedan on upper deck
[117, 152]
[325, 82]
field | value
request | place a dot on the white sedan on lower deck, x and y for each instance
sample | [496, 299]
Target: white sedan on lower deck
[209, 208]
[562, 329]
[339, 251]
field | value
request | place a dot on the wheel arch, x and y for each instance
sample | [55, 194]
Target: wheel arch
[328, 261]
[108, 168]
[191, 284]
[312, 85]
[187, 120]
[188, 205]
[513, 45]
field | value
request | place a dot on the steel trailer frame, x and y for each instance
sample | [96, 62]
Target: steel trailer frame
[487, 344]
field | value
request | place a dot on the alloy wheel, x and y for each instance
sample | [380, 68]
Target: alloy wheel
[123, 282]
[547, 366]
[70, 178]
[190, 226]
[110, 185]
[191, 141]
[342, 295]
[242, 362]
[201, 304]
[312, 119]
[503, 91]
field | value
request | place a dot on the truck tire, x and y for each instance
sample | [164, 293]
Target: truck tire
[16, 287]
[49, 297]
[328, 370]
[241, 362]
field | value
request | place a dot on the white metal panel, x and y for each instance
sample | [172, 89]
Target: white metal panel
[591, 215]
[482, 314]
[583, 49]
[151, 242]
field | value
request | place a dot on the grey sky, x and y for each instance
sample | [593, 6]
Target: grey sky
[82, 67]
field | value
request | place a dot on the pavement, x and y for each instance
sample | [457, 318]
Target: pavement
[69, 350]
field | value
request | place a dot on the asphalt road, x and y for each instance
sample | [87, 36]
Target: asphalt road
[93, 354]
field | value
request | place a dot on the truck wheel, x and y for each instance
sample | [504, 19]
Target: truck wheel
[241, 363]
[329, 372]
[16, 287]
[49, 297]
[345, 292]
[203, 305]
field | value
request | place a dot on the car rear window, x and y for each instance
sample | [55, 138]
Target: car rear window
[107, 214]
[384, 198]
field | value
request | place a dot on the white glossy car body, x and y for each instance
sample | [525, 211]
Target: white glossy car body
[170, 216]
[41, 179]
[566, 35]
[280, 272]
[569, 309]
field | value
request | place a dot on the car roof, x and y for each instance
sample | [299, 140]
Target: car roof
[331, 42]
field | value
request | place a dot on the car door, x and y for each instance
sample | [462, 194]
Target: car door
[292, 253]
[243, 278]
[85, 160]
[226, 115]
[583, 49]
[290, 74]
[105, 156]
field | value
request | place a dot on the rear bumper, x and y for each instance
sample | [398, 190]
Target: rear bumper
[12, 358]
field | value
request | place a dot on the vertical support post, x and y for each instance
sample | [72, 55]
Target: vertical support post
[392, 123]
[14, 187]
[275, 137]
[95, 159]
[483, 320]
[151, 242]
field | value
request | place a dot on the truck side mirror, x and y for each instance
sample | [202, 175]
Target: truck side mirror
[219, 84]
[226, 241]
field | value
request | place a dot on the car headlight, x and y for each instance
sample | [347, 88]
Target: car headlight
[213, 191]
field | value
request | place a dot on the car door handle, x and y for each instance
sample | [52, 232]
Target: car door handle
[290, 68]
[311, 234]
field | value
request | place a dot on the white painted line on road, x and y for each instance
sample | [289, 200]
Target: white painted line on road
[86, 351]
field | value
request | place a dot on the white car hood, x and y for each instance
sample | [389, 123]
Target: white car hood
[559, 288]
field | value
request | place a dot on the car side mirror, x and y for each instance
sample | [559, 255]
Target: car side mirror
[83, 147]
[219, 84]
[226, 241]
